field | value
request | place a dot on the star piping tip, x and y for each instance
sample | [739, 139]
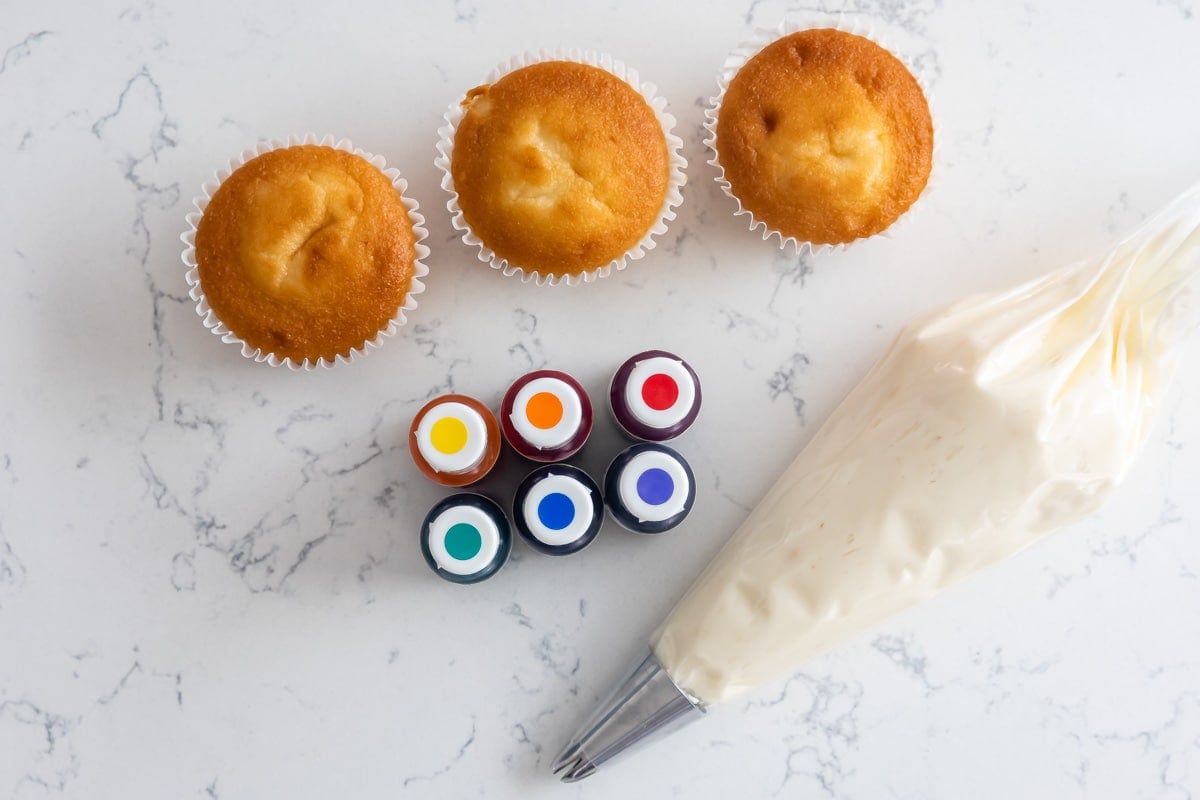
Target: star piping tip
[645, 706]
[581, 769]
[566, 757]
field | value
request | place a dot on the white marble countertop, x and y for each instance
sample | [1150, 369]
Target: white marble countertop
[210, 585]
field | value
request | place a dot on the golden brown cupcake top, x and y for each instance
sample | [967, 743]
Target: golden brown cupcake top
[825, 136]
[559, 167]
[306, 252]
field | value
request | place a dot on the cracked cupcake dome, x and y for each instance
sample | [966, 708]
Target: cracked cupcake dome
[825, 136]
[560, 167]
[306, 252]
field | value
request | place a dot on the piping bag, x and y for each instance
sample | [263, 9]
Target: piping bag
[987, 425]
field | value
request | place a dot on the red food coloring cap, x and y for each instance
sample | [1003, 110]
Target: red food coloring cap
[660, 391]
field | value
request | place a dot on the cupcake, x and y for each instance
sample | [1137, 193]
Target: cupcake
[561, 168]
[305, 253]
[823, 137]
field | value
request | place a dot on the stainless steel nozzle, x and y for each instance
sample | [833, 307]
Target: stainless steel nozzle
[644, 707]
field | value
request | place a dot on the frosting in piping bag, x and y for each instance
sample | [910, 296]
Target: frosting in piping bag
[986, 425]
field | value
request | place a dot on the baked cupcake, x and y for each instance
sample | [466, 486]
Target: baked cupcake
[305, 253]
[561, 167]
[823, 137]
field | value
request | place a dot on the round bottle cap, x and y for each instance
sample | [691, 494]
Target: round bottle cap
[454, 440]
[546, 415]
[649, 488]
[452, 437]
[558, 509]
[465, 538]
[655, 396]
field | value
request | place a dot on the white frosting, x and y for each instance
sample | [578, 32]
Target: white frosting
[639, 508]
[580, 496]
[488, 531]
[665, 417]
[986, 425]
[472, 451]
[560, 434]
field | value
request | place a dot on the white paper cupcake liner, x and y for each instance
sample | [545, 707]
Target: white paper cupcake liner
[858, 24]
[213, 322]
[676, 177]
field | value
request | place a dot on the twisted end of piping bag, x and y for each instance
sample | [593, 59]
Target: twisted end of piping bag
[644, 707]
[1169, 244]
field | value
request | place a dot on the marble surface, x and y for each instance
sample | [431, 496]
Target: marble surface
[209, 580]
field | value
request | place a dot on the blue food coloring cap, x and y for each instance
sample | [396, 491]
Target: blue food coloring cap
[558, 509]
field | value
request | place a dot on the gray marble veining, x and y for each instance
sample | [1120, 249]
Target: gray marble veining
[209, 579]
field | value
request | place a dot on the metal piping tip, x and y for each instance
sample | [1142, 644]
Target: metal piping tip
[578, 772]
[644, 707]
[566, 757]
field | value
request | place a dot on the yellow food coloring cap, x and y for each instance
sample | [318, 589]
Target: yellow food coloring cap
[452, 437]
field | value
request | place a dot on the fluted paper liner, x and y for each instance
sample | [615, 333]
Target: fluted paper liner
[209, 316]
[849, 23]
[675, 177]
